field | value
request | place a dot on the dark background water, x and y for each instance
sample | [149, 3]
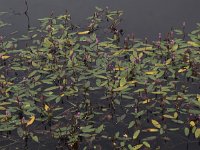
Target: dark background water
[145, 18]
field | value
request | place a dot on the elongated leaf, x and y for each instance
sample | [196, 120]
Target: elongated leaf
[151, 72]
[136, 134]
[46, 107]
[30, 122]
[186, 131]
[51, 88]
[122, 82]
[197, 133]
[83, 32]
[137, 147]
[156, 123]
[146, 144]
[120, 88]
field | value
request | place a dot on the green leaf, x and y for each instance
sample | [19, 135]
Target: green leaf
[156, 123]
[51, 88]
[99, 129]
[197, 133]
[47, 43]
[146, 144]
[87, 129]
[20, 132]
[35, 138]
[137, 147]
[175, 47]
[120, 88]
[131, 124]
[186, 131]
[136, 134]
[122, 82]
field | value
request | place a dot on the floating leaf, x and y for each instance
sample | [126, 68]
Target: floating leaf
[192, 123]
[194, 44]
[46, 107]
[20, 132]
[151, 130]
[32, 119]
[146, 101]
[47, 43]
[175, 115]
[2, 108]
[35, 138]
[5, 57]
[182, 70]
[186, 131]
[83, 32]
[120, 88]
[168, 61]
[156, 123]
[175, 47]
[198, 97]
[122, 82]
[197, 133]
[146, 144]
[62, 95]
[131, 124]
[151, 72]
[168, 116]
[99, 129]
[51, 88]
[118, 68]
[137, 147]
[136, 134]
[144, 48]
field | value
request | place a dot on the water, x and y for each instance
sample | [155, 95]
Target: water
[145, 18]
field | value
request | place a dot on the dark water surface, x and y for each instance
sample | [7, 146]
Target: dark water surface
[145, 18]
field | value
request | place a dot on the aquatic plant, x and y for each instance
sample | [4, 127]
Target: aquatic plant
[87, 90]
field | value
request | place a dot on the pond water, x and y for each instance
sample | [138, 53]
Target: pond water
[144, 18]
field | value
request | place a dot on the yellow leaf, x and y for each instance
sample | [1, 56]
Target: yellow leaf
[168, 116]
[136, 134]
[197, 133]
[2, 108]
[175, 115]
[144, 48]
[151, 72]
[198, 97]
[168, 61]
[120, 88]
[5, 57]
[136, 147]
[122, 82]
[146, 101]
[193, 44]
[192, 123]
[32, 119]
[156, 123]
[183, 69]
[151, 130]
[71, 52]
[132, 82]
[62, 95]
[83, 32]
[118, 68]
[140, 55]
[46, 107]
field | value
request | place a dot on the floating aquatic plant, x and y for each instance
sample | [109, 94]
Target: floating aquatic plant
[83, 89]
